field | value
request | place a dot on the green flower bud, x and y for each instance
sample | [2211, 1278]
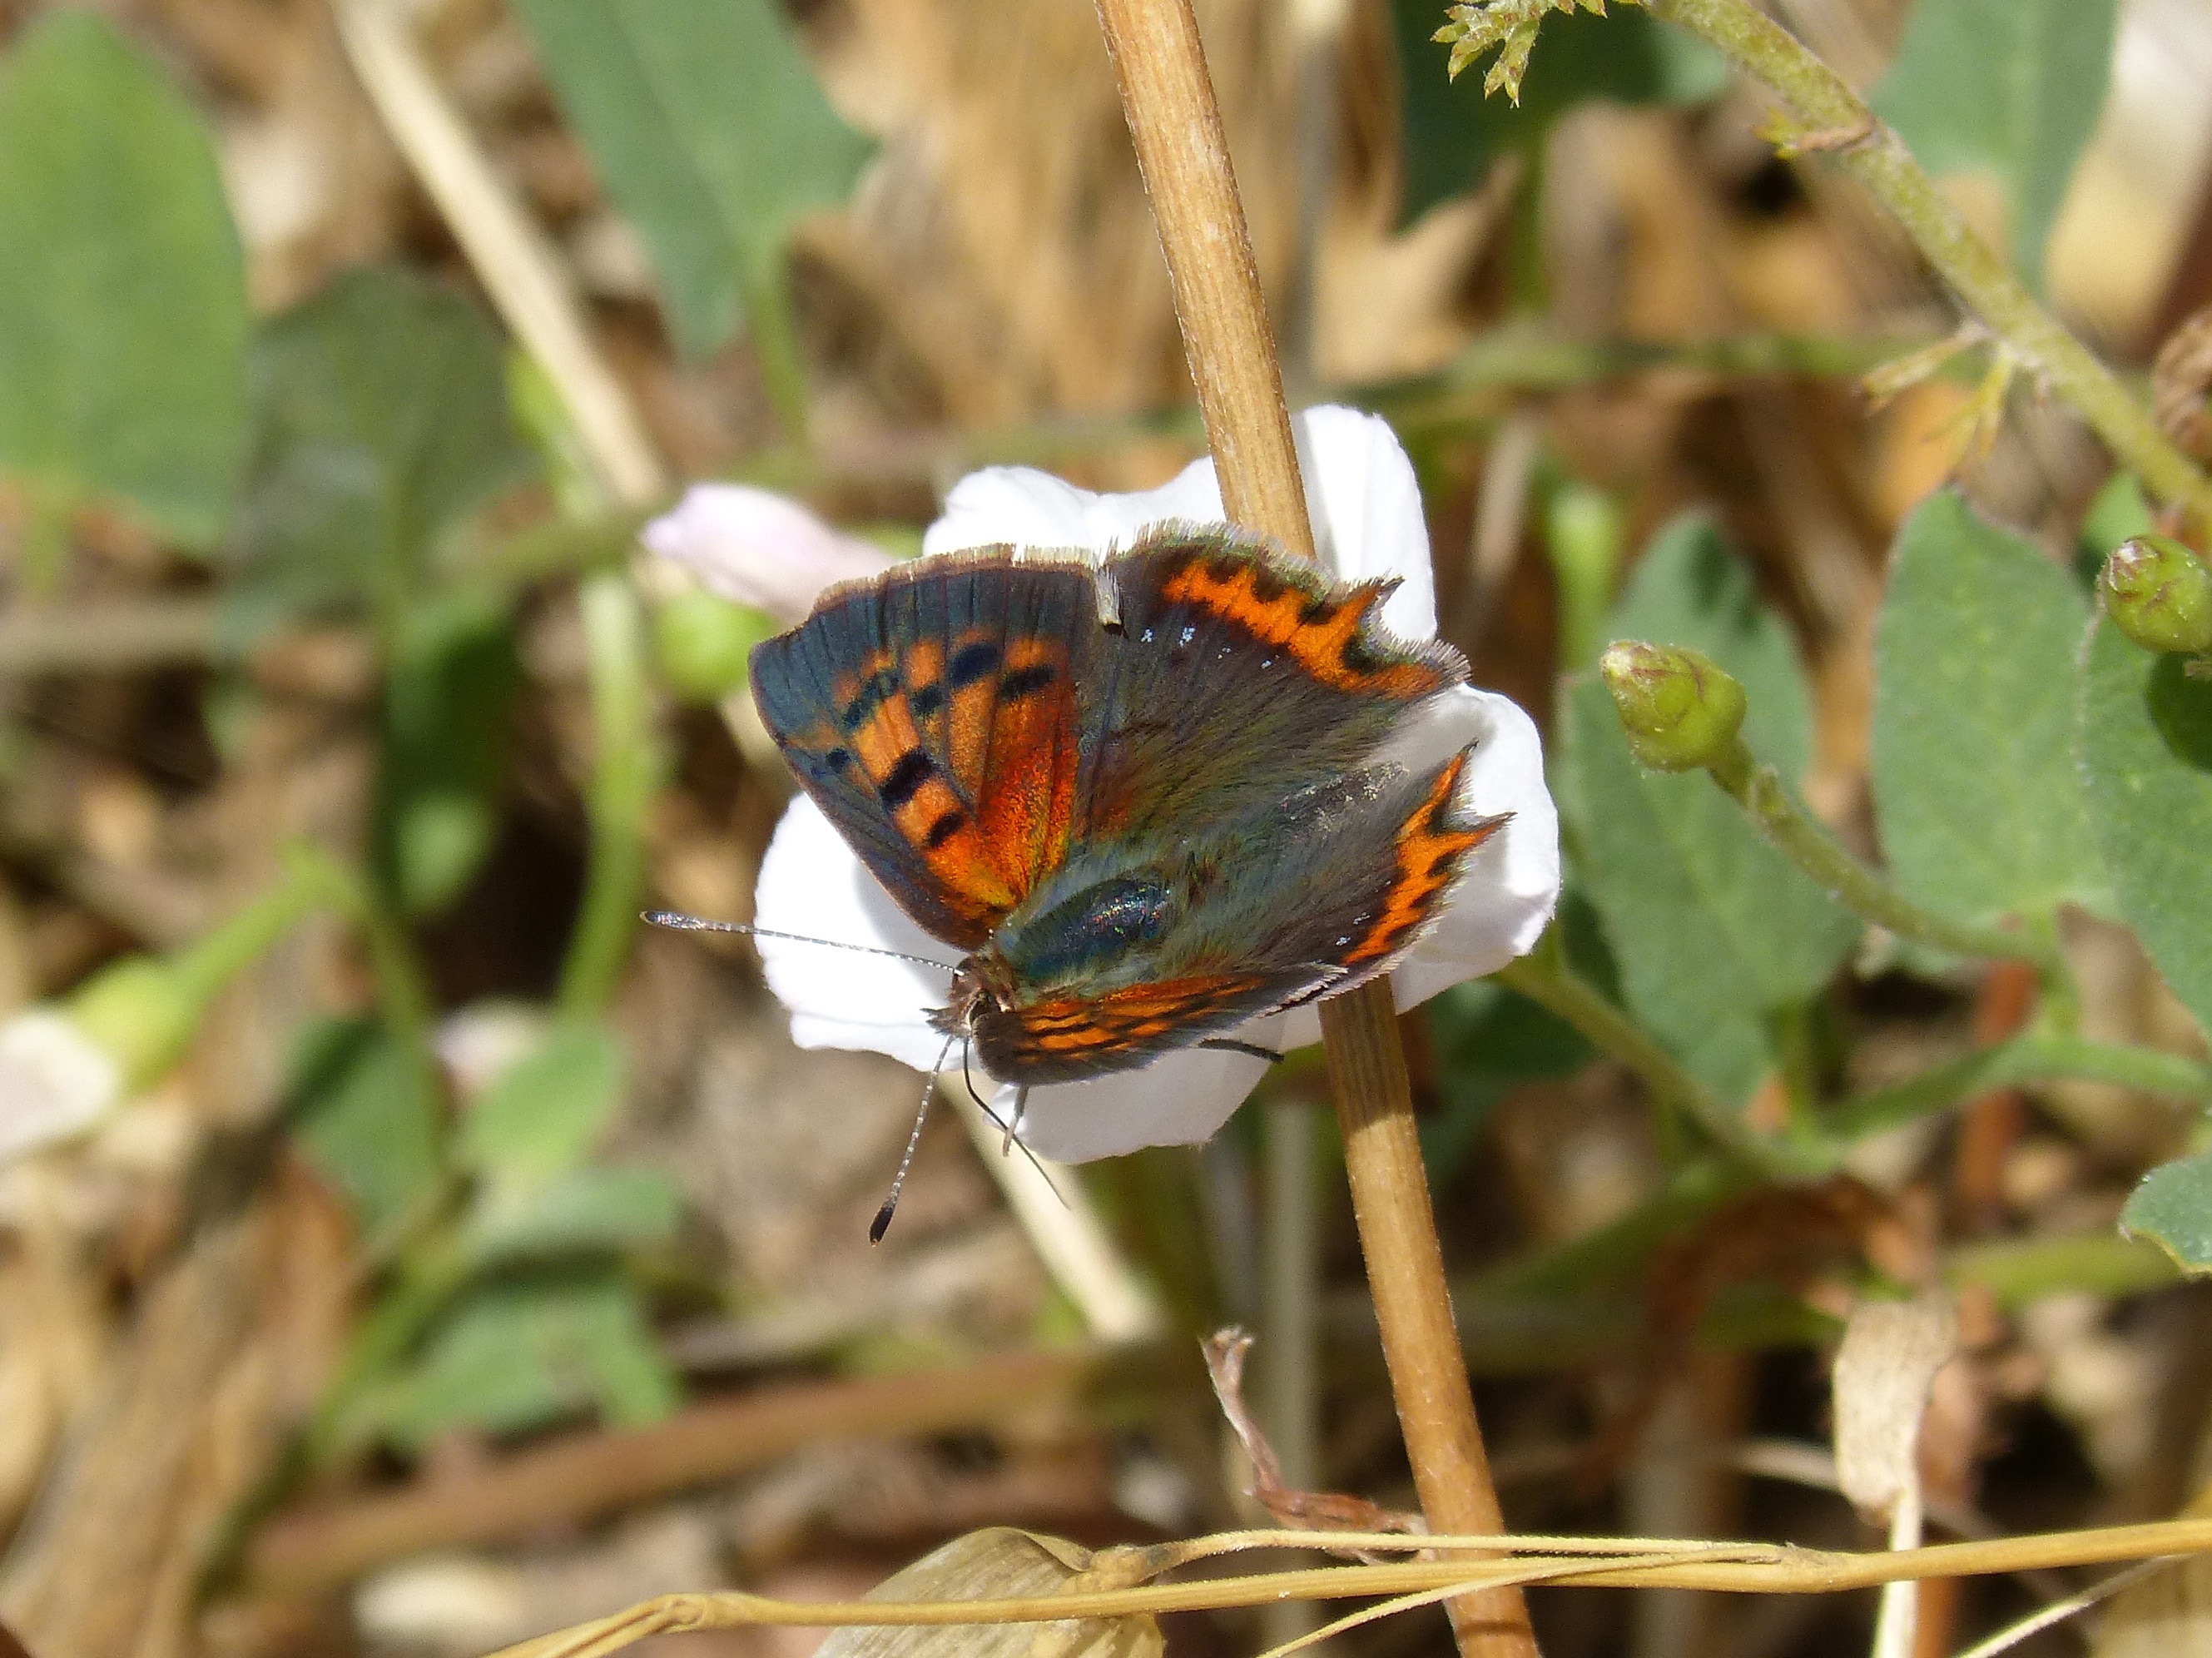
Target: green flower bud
[142, 1013]
[2159, 594]
[701, 643]
[1679, 710]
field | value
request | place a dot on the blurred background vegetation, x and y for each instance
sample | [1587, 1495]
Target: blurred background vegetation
[439, 1259]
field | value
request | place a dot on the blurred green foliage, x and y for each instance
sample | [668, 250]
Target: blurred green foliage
[122, 309]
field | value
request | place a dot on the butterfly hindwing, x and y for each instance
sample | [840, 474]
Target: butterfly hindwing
[1331, 888]
[932, 714]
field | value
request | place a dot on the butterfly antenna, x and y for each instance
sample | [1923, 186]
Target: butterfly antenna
[882, 1223]
[677, 921]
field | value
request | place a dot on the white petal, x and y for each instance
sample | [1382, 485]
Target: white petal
[1510, 885]
[1366, 508]
[1016, 504]
[1361, 495]
[1179, 1099]
[54, 1081]
[811, 885]
[759, 548]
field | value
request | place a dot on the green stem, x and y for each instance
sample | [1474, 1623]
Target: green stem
[1760, 792]
[2030, 1058]
[403, 993]
[774, 331]
[1871, 152]
[625, 772]
[1619, 1247]
[1544, 977]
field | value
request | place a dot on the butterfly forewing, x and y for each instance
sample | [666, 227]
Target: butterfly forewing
[933, 716]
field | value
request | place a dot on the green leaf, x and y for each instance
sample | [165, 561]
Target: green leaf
[2011, 87]
[518, 1355]
[711, 133]
[123, 308]
[1487, 1040]
[1975, 788]
[1716, 931]
[448, 697]
[363, 1112]
[381, 421]
[540, 1118]
[588, 1212]
[1689, 589]
[1450, 132]
[2173, 1208]
[2146, 749]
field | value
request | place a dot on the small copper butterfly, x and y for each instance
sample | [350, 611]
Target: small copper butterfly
[1141, 796]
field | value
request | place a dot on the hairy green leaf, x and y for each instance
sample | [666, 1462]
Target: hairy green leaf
[381, 422]
[1714, 930]
[2011, 87]
[2146, 748]
[711, 133]
[123, 308]
[2173, 1207]
[1979, 801]
[540, 1118]
[521, 1353]
[364, 1113]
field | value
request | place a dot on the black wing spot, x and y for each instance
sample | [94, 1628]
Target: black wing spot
[971, 663]
[878, 689]
[1317, 613]
[944, 829]
[905, 780]
[1267, 585]
[836, 761]
[1025, 681]
[1359, 659]
[926, 700]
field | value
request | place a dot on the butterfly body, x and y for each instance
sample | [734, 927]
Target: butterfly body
[1147, 798]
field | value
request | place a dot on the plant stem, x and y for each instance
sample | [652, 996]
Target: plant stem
[626, 769]
[1175, 125]
[2034, 1057]
[403, 996]
[1545, 979]
[1881, 161]
[1761, 792]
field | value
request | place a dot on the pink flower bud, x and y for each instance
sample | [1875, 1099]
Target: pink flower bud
[760, 548]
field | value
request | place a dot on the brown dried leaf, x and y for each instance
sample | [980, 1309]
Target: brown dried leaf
[2181, 385]
[1884, 1371]
[999, 1563]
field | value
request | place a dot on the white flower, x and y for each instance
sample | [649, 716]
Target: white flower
[759, 548]
[1366, 510]
[55, 1081]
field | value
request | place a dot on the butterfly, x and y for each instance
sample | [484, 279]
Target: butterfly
[1145, 798]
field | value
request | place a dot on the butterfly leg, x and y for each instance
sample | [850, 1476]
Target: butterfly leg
[1231, 1045]
[1014, 1122]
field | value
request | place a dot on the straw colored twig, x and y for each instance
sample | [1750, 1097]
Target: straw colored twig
[1605, 1562]
[1168, 97]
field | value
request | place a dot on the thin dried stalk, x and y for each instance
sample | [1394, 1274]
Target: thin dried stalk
[1601, 1562]
[1168, 100]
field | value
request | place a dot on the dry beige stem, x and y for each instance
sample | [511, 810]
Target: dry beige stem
[1000, 1561]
